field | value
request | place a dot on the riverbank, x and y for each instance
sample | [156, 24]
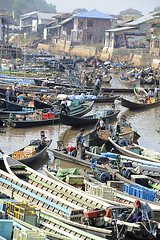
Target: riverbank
[140, 57]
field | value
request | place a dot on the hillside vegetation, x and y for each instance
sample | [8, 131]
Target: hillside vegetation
[20, 7]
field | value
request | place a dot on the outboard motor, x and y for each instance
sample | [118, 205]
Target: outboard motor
[94, 218]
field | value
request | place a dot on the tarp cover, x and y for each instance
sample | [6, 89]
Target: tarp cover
[62, 173]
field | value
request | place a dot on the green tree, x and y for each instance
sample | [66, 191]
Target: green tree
[156, 9]
[78, 10]
[24, 6]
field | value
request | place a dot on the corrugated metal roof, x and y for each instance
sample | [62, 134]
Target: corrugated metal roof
[65, 20]
[142, 19]
[46, 15]
[120, 29]
[53, 27]
[93, 14]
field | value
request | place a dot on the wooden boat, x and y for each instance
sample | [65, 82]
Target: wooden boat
[78, 110]
[105, 98]
[149, 80]
[127, 80]
[94, 138]
[33, 151]
[90, 119]
[137, 105]
[12, 106]
[65, 212]
[51, 187]
[112, 195]
[137, 151]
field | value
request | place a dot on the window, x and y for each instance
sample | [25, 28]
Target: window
[89, 23]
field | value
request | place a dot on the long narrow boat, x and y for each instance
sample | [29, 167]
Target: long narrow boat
[90, 119]
[118, 196]
[33, 151]
[137, 151]
[52, 187]
[94, 138]
[138, 106]
[78, 110]
[127, 80]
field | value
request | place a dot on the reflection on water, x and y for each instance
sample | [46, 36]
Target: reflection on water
[146, 123]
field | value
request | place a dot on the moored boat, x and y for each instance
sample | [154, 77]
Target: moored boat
[90, 119]
[33, 151]
[46, 119]
[136, 151]
[140, 105]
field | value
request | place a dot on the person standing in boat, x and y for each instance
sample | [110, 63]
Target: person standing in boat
[8, 94]
[80, 144]
[97, 86]
[14, 89]
[156, 92]
[101, 124]
[139, 211]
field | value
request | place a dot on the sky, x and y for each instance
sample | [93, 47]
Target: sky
[106, 6]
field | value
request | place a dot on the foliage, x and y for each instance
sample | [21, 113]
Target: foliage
[156, 9]
[24, 6]
[78, 10]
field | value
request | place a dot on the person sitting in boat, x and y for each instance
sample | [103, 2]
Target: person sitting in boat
[150, 93]
[147, 99]
[136, 75]
[64, 108]
[139, 212]
[19, 99]
[52, 110]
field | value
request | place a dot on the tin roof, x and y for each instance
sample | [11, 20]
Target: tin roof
[120, 29]
[143, 19]
[93, 14]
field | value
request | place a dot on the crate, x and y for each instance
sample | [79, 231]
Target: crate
[75, 179]
[140, 192]
[119, 185]
[103, 134]
[20, 234]
[107, 193]
[18, 155]
[44, 116]
[109, 155]
[6, 227]
[140, 179]
[29, 151]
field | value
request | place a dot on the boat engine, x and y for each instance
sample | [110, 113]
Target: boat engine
[94, 218]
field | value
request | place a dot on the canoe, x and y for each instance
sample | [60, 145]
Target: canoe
[138, 106]
[149, 80]
[78, 110]
[32, 152]
[51, 196]
[12, 106]
[105, 99]
[112, 195]
[137, 151]
[127, 80]
[90, 119]
[98, 139]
